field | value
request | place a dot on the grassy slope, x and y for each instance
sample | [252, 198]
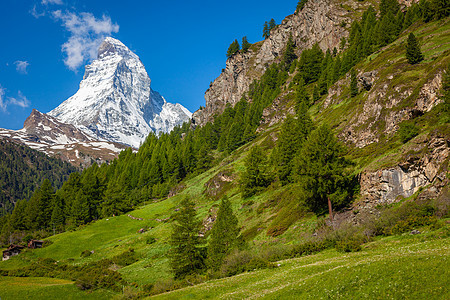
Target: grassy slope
[377, 263]
[402, 267]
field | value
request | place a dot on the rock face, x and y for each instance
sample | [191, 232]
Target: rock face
[47, 134]
[115, 101]
[320, 21]
[388, 185]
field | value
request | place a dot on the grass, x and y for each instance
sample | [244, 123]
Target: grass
[400, 267]
[45, 288]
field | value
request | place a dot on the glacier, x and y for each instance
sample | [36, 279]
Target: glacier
[115, 101]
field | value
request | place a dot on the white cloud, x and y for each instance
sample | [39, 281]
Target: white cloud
[34, 12]
[86, 35]
[21, 66]
[2, 101]
[21, 100]
[57, 2]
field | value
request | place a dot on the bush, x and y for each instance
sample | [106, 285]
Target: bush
[150, 240]
[85, 253]
[126, 258]
[407, 131]
[348, 245]
[242, 261]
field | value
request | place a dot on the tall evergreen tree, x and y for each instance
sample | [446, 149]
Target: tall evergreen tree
[289, 54]
[321, 169]
[272, 24]
[353, 83]
[255, 176]
[388, 6]
[234, 47]
[413, 53]
[186, 255]
[224, 235]
[245, 44]
[266, 30]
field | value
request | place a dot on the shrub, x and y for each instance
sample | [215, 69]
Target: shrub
[348, 245]
[85, 253]
[407, 131]
[126, 258]
[150, 240]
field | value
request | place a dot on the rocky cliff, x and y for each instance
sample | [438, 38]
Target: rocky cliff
[320, 21]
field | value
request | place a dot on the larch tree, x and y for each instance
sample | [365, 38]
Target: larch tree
[186, 253]
[413, 53]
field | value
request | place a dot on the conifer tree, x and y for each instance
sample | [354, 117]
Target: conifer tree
[353, 83]
[234, 47]
[266, 30]
[388, 6]
[245, 44]
[413, 53]
[224, 235]
[321, 169]
[255, 176]
[186, 254]
[272, 24]
[289, 54]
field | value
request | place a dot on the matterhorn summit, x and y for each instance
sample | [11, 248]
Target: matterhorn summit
[115, 101]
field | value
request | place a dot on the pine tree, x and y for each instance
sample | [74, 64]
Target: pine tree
[321, 169]
[266, 32]
[353, 83]
[234, 48]
[224, 235]
[388, 6]
[245, 44]
[289, 54]
[186, 254]
[413, 53]
[255, 176]
[272, 24]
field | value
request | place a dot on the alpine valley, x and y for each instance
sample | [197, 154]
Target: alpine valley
[317, 169]
[113, 109]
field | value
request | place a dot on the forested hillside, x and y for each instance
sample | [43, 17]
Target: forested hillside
[334, 151]
[22, 171]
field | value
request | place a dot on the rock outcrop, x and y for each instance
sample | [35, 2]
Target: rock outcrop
[320, 21]
[416, 172]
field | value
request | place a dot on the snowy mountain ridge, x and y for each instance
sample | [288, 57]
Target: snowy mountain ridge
[115, 101]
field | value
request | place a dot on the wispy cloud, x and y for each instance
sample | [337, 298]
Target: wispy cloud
[21, 100]
[21, 66]
[35, 13]
[2, 100]
[86, 34]
[57, 2]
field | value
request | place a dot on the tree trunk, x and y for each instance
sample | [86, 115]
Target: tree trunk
[330, 209]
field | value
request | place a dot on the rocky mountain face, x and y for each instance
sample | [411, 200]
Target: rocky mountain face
[320, 21]
[47, 134]
[391, 93]
[115, 101]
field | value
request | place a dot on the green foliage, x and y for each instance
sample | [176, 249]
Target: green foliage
[266, 30]
[186, 254]
[245, 44]
[242, 261]
[321, 169]
[300, 5]
[407, 130]
[388, 6]
[224, 235]
[353, 83]
[413, 53]
[23, 169]
[350, 245]
[256, 175]
[289, 54]
[234, 48]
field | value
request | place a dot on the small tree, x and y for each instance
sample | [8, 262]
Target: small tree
[272, 24]
[353, 83]
[224, 235]
[185, 257]
[245, 44]
[234, 47]
[289, 54]
[413, 53]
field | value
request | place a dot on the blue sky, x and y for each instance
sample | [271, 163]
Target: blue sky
[46, 43]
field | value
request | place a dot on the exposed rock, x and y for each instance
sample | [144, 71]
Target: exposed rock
[388, 185]
[216, 186]
[415, 231]
[320, 21]
[367, 79]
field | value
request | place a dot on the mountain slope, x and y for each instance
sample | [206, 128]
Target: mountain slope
[115, 101]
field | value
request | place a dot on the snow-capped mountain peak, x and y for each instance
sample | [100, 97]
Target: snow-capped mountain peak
[115, 101]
